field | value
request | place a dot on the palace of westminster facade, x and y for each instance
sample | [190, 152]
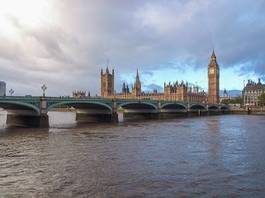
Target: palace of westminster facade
[178, 91]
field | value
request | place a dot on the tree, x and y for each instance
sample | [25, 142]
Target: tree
[225, 101]
[237, 100]
[262, 99]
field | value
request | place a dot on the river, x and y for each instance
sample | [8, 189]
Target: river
[212, 156]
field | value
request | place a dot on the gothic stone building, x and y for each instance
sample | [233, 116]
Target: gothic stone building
[251, 92]
[213, 81]
[177, 91]
[107, 83]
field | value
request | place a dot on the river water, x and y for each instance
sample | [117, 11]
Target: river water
[219, 156]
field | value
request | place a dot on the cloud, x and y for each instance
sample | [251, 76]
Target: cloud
[152, 87]
[78, 38]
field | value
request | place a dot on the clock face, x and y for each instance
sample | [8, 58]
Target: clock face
[211, 71]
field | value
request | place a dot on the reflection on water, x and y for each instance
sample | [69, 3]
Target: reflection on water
[209, 156]
[3, 115]
[55, 119]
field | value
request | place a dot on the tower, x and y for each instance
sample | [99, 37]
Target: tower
[213, 81]
[137, 85]
[107, 83]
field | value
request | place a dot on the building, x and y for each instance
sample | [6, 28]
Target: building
[79, 94]
[2, 88]
[225, 96]
[251, 92]
[107, 83]
[137, 88]
[177, 91]
[213, 81]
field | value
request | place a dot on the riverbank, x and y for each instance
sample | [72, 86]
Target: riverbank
[247, 112]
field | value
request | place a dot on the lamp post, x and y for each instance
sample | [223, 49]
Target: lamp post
[44, 88]
[11, 92]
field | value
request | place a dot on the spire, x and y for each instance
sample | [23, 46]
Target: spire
[213, 55]
[123, 88]
[107, 70]
[137, 77]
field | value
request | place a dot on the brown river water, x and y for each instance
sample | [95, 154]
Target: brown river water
[217, 156]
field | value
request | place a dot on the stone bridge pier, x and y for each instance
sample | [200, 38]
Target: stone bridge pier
[43, 119]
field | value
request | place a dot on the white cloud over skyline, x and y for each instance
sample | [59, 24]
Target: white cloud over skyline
[66, 43]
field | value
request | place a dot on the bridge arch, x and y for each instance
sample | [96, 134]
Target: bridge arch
[213, 107]
[224, 108]
[16, 105]
[82, 104]
[174, 106]
[138, 105]
[197, 107]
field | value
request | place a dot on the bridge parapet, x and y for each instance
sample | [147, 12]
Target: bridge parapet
[20, 103]
[105, 106]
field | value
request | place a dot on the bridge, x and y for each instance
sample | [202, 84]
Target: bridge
[33, 111]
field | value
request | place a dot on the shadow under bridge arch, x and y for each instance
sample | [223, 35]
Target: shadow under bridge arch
[173, 107]
[18, 107]
[213, 107]
[86, 107]
[196, 107]
[138, 107]
[224, 108]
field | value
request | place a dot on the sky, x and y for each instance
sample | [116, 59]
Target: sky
[64, 44]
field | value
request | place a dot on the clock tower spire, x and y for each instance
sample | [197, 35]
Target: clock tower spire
[213, 80]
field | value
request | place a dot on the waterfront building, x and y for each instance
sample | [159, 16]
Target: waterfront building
[176, 91]
[251, 93]
[137, 88]
[79, 94]
[107, 83]
[213, 81]
[225, 96]
[2, 88]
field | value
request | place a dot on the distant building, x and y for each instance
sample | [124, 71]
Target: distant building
[107, 83]
[79, 94]
[225, 96]
[178, 91]
[2, 88]
[213, 81]
[251, 92]
[137, 89]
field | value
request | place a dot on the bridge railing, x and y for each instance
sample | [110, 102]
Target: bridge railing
[96, 98]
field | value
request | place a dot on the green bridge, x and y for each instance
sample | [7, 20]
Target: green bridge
[33, 111]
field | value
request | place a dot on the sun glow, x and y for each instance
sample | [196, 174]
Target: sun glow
[22, 13]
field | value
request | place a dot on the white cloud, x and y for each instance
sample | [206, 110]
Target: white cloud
[67, 48]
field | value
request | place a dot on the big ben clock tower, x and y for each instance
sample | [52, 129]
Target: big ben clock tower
[213, 81]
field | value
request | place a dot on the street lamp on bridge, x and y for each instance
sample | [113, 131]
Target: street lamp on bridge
[44, 88]
[11, 92]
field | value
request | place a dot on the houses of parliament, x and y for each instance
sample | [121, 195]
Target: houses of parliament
[177, 91]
